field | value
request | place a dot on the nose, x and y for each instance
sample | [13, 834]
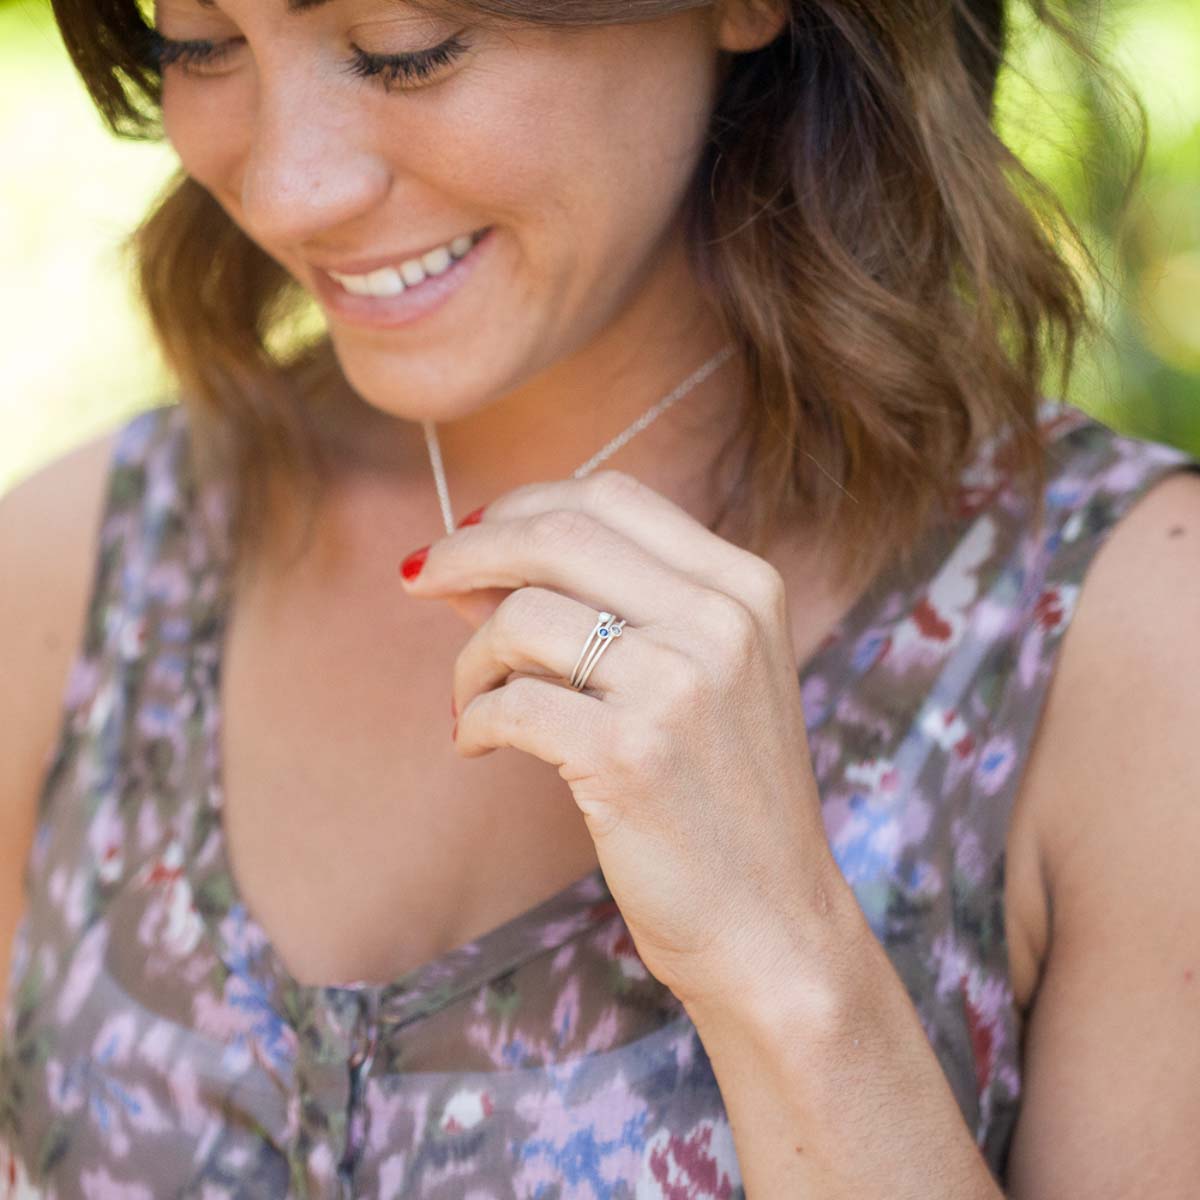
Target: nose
[308, 166]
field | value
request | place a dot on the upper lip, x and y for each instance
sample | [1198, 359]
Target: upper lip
[364, 266]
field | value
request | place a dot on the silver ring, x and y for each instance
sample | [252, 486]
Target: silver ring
[607, 629]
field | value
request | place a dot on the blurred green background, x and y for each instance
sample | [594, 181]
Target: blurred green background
[76, 356]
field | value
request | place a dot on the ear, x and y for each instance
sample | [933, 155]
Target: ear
[744, 25]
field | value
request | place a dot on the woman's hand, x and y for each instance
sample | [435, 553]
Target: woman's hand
[686, 752]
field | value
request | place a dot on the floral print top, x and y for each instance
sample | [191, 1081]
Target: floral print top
[154, 1045]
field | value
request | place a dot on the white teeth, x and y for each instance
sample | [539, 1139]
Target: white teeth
[385, 282]
[412, 271]
[436, 261]
[391, 281]
[357, 284]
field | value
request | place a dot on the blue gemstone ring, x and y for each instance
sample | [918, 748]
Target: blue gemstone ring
[607, 628]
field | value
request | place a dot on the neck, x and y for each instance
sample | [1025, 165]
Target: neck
[558, 418]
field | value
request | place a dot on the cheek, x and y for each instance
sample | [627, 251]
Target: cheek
[584, 143]
[202, 124]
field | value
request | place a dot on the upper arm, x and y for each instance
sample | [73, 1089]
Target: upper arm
[1111, 1096]
[48, 546]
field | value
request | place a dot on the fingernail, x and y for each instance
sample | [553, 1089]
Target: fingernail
[472, 518]
[410, 568]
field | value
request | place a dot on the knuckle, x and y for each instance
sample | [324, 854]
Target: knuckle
[767, 587]
[518, 611]
[731, 623]
[519, 701]
[559, 526]
[514, 499]
[641, 748]
[680, 678]
[507, 616]
[611, 486]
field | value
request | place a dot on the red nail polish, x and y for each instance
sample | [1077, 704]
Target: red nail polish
[410, 568]
[473, 518]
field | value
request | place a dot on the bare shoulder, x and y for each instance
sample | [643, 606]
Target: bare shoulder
[48, 545]
[1112, 1046]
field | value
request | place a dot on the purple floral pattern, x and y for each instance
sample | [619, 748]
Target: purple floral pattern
[154, 1043]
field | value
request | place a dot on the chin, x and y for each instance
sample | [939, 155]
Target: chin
[405, 395]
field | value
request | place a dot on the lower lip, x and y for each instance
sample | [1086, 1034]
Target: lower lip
[391, 312]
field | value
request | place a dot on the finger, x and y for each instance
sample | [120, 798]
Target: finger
[568, 550]
[660, 526]
[556, 724]
[540, 632]
[476, 606]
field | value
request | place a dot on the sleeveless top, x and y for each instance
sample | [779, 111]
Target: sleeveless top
[155, 1045]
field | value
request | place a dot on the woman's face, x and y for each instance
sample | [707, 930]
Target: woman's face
[574, 147]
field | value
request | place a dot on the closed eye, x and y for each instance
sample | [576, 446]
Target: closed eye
[194, 55]
[413, 66]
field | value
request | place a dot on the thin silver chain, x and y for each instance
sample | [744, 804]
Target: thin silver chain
[656, 410]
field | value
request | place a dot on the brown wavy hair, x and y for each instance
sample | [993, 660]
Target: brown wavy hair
[895, 280]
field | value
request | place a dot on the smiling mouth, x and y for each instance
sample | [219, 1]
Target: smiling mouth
[393, 279]
[390, 302]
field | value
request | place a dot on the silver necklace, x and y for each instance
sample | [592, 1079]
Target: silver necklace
[655, 410]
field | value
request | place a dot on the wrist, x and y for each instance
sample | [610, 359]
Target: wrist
[802, 964]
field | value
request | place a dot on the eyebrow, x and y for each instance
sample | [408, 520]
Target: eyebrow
[293, 6]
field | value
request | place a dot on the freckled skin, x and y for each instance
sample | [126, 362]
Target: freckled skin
[576, 146]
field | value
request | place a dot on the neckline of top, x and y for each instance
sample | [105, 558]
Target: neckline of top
[243, 944]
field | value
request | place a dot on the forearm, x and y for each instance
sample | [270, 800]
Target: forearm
[842, 1099]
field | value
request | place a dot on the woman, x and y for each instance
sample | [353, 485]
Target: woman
[741, 870]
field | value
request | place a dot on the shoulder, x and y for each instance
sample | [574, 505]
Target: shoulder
[48, 534]
[1131, 549]
[1113, 783]
[48, 546]
[1126, 687]
[53, 529]
[50, 527]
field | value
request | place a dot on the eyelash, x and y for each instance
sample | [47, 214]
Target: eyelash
[408, 67]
